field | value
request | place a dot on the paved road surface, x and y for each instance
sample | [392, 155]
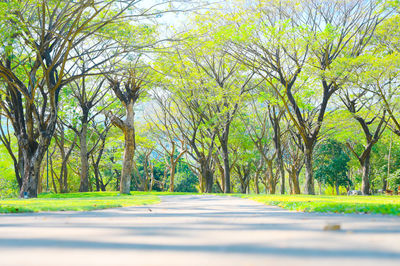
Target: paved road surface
[197, 230]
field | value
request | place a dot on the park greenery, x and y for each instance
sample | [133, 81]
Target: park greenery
[251, 97]
[84, 201]
[332, 204]
[87, 201]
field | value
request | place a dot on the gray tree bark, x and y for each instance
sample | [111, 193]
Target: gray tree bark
[309, 185]
[129, 149]
[84, 173]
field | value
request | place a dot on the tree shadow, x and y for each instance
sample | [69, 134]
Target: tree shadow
[215, 214]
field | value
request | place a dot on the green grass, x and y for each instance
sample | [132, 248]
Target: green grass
[103, 200]
[77, 202]
[108, 194]
[332, 204]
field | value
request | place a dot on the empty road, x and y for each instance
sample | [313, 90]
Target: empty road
[197, 230]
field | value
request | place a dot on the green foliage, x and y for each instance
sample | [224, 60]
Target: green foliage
[394, 181]
[186, 182]
[8, 183]
[331, 164]
[203, 75]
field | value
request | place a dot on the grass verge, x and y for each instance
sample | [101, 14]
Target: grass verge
[332, 204]
[86, 201]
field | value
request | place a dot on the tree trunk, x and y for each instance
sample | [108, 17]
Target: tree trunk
[40, 185]
[32, 152]
[294, 181]
[257, 175]
[225, 158]
[281, 170]
[278, 147]
[271, 179]
[266, 187]
[201, 183]
[243, 179]
[19, 169]
[247, 180]
[65, 181]
[172, 175]
[309, 186]
[243, 188]
[384, 185]
[97, 178]
[64, 169]
[84, 185]
[272, 188]
[60, 142]
[30, 179]
[384, 181]
[337, 188]
[256, 185]
[221, 172]
[366, 167]
[129, 149]
[52, 175]
[60, 183]
[209, 181]
[151, 178]
[207, 176]
[143, 180]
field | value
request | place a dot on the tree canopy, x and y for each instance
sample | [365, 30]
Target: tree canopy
[240, 96]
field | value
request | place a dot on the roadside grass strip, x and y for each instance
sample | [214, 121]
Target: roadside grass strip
[332, 204]
[77, 202]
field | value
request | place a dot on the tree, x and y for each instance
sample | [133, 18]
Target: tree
[293, 157]
[179, 109]
[144, 173]
[380, 68]
[173, 145]
[88, 94]
[261, 132]
[331, 164]
[354, 105]
[245, 156]
[127, 88]
[65, 152]
[37, 60]
[295, 46]
[97, 152]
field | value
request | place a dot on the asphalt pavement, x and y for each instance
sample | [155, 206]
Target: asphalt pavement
[198, 230]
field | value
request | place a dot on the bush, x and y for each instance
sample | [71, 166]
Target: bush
[186, 182]
[8, 182]
[394, 181]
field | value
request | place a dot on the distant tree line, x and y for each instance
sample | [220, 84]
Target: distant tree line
[267, 96]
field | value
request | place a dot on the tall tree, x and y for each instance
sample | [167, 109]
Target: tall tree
[192, 127]
[127, 88]
[262, 133]
[294, 157]
[89, 96]
[295, 46]
[37, 62]
[372, 132]
[65, 152]
[171, 142]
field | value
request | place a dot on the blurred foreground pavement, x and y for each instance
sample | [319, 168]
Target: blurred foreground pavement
[198, 230]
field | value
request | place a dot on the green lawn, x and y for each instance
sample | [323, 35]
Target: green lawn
[77, 202]
[102, 200]
[333, 204]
